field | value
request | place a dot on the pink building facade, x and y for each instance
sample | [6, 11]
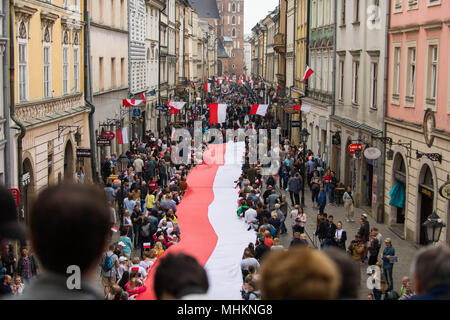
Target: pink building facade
[418, 116]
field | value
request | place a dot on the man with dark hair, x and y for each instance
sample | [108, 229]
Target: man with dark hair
[431, 273]
[350, 273]
[169, 284]
[70, 227]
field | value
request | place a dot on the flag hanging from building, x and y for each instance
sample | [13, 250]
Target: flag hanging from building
[308, 73]
[119, 136]
[153, 93]
[217, 113]
[175, 107]
[259, 109]
[133, 102]
[125, 135]
[207, 87]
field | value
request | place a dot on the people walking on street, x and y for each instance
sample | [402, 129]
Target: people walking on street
[349, 204]
[388, 262]
[295, 185]
[315, 188]
[322, 200]
[109, 265]
[340, 236]
[27, 266]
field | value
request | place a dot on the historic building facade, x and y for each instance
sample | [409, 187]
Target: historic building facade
[48, 95]
[358, 112]
[231, 24]
[109, 69]
[418, 116]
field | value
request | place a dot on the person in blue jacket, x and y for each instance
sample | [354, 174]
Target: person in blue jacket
[388, 264]
[322, 201]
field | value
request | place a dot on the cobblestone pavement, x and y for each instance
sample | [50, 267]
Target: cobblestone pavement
[403, 249]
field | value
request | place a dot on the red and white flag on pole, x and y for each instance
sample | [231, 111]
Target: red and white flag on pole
[308, 73]
[217, 113]
[219, 81]
[133, 102]
[175, 107]
[240, 81]
[303, 108]
[275, 95]
[259, 109]
[207, 87]
[146, 245]
[172, 136]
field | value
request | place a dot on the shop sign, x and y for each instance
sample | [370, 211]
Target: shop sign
[444, 190]
[353, 147]
[26, 179]
[83, 153]
[295, 124]
[103, 141]
[426, 192]
[108, 134]
[16, 195]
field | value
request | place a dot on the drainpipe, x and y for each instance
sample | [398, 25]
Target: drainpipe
[7, 152]
[12, 106]
[385, 99]
[333, 102]
[159, 69]
[88, 85]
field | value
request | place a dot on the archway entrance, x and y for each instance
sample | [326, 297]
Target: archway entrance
[28, 188]
[68, 162]
[426, 197]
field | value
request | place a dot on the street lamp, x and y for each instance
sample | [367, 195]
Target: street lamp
[304, 134]
[123, 159]
[433, 227]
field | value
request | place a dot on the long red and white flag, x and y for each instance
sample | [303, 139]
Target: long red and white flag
[119, 136]
[207, 87]
[217, 113]
[133, 102]
[175, 107]
[209, 205]
[259, 109]
[308, 73]
[219, 81]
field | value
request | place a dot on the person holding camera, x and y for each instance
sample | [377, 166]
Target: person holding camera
[356, 248]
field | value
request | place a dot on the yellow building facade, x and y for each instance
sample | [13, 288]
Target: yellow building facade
[48, 93]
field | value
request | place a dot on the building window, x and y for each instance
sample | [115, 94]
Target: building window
[66, 3]
[121, 14]
[233, 33]
[65, 75]
[432, 72]
[397, 65]
[431, 3]
[233, 7]
[355, 82]
[412, 4]
[113, 13]
[23, 71]
[374, 85]
[113, 73]
[100, 10]
[356, 12]
[411, 73]
[343, 12]
[233, 66]
[76, 69]
[47, 71]
[398, 6]
[100, 73]
[341, 82]
[233, 20]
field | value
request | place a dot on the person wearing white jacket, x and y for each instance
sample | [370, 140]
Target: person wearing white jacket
[349, 203]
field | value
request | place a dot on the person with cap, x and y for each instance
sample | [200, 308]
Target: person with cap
[123, 266]
[388, 262]
[118, 250]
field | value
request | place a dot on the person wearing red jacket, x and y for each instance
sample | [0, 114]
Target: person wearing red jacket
[134, 287]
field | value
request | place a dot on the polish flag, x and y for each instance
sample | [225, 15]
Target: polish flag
[303, 108]
[210, 197]
[146, 245]
[114, 229]
[240, 81]
[217, 113]
[119, 136]
[308, 73]
[135, 269]
[172, 136]
[259, 109]
[133, 102]
[175, 107]
[207, 87]
[219, 81]
[275, 95]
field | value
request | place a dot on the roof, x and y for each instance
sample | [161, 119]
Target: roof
[221, 53]
[207, 9]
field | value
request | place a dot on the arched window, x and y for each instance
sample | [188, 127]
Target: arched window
[233, 7]
[233, 20]
[233, 33]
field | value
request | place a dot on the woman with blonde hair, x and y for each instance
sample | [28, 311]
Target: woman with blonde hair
[159, 248]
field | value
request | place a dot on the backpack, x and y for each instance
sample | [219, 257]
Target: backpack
[107, 263]
[145, 230]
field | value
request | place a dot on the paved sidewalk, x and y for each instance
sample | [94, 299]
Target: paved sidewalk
[403, 249]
